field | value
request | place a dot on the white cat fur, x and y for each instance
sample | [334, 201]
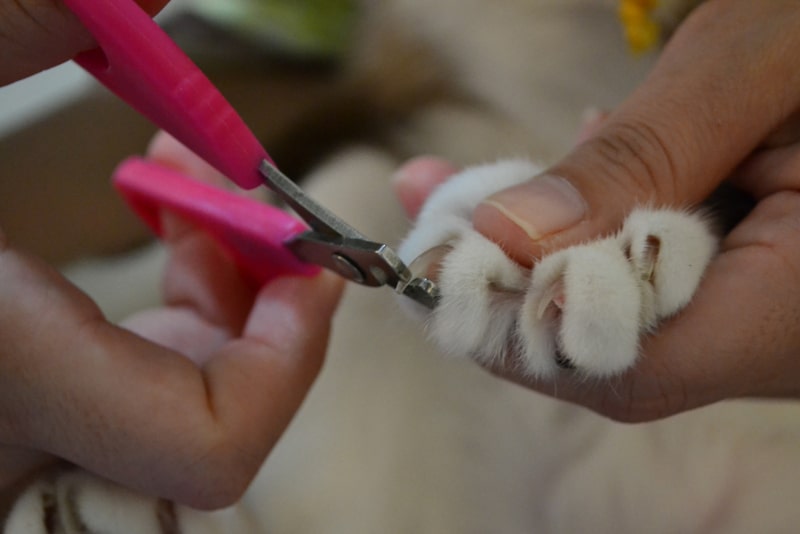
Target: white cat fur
[395, 439]
[609, 291]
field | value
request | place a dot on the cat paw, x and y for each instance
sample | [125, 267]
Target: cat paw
[587, 306]
[582, 309]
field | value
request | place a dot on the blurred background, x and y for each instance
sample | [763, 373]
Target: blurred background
[314, 28]
[270, 58]
[28, 100]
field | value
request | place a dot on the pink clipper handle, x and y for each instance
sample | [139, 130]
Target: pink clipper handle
[251, 232]
[143, 66]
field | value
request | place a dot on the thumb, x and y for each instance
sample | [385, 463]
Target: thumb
[692, 121]
[39, 34]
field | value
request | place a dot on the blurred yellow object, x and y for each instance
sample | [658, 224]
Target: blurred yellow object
[641, 30]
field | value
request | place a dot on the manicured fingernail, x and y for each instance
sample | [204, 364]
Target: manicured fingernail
[543, 206]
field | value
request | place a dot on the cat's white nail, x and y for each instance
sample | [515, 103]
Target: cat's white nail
[553, 296]
[429, 263]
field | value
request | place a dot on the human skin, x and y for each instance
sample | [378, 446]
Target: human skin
[39, 34]
[722, 102]
[183, 401]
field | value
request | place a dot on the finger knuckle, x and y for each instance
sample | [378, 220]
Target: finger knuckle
[640, 159]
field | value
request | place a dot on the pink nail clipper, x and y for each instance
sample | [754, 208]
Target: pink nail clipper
[141, 64]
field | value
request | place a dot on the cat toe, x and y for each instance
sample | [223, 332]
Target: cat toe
[481, 292]
[672, 248]
[581, 312]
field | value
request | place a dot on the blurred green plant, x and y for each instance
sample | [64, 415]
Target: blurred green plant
[303, 27]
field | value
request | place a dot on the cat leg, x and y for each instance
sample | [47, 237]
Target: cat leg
[588, 305]
[581, 311]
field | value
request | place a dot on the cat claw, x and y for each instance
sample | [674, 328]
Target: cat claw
[552, 301]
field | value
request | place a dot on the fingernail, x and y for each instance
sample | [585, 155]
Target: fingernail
[416, 180]
[591, 114]
[591, 119]
[545, 205]
[424, 169]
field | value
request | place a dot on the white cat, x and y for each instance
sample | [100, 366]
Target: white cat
[393, 438]
[582, 309]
